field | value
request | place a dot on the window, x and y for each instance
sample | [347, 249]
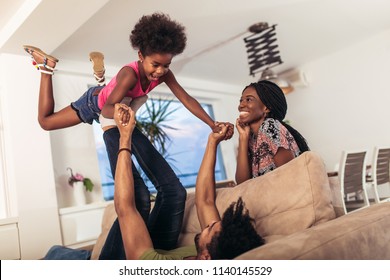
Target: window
[184, 152]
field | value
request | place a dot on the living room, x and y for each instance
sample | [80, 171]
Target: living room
[340, 101]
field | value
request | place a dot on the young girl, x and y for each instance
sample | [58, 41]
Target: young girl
[265, 141]
[158, 39]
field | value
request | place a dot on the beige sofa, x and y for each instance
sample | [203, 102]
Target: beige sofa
[295, 210]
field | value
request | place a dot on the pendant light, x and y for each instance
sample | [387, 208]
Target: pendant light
[263, 54]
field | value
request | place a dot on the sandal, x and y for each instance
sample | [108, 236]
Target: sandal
[98, 67]
[43, 66]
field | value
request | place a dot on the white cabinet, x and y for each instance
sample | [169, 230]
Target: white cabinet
[81, 225]
[9, 240]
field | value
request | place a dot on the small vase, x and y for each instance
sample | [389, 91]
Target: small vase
[79, 193]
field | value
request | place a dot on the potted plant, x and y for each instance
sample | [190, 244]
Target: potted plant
[80, 178]
[152, 123]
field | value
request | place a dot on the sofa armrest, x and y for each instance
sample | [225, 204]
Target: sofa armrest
[109, 217]
[337, 199]
[359, 235]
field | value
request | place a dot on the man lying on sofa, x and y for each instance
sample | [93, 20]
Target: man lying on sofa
[219, 239]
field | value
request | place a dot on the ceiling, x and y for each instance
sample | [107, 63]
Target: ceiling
[306, 30]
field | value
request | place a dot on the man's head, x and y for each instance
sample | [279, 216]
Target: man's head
[230, 237]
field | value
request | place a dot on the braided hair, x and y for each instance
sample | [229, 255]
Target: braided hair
[273, 98]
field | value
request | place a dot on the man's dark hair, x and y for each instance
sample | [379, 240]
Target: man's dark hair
[157, 33]
[237, 234]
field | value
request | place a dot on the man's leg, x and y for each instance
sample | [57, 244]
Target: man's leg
[142, 194]
[166, 218]
[113, 247]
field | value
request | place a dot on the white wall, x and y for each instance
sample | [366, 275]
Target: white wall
[73, 147]
[347, 103]
[3, 196]
[28, 159]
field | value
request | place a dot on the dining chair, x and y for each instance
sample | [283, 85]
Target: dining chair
[381, 174]
[352, 177]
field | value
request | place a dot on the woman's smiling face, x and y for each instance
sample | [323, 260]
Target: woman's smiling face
[251, 108]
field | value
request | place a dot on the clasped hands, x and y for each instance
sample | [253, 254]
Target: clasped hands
[124, 117]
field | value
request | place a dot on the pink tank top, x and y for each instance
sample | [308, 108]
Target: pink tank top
[133, 93]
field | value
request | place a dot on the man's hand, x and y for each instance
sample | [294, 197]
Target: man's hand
[125, 119]
[230, 129]
[220, 133]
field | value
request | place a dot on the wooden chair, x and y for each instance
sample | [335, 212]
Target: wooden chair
[352, 176]
[381, 174]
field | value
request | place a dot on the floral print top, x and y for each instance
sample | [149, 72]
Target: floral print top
[263, 146]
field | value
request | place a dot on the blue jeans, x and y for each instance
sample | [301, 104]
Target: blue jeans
[86, 106]
[58, 252]
[165, 220]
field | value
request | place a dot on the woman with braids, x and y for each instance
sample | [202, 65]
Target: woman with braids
[157, 39]
[265, 140]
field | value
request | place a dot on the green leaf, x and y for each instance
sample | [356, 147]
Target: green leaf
[88, 184]
[153, 121]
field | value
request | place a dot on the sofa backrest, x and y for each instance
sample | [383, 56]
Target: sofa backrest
[291, 198]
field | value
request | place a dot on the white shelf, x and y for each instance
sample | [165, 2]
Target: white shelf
[8, 221]
[81, 225]
[85, 207]
[9, 239]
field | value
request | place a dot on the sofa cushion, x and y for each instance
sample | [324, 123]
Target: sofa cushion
[291, 198]
[362, 235]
